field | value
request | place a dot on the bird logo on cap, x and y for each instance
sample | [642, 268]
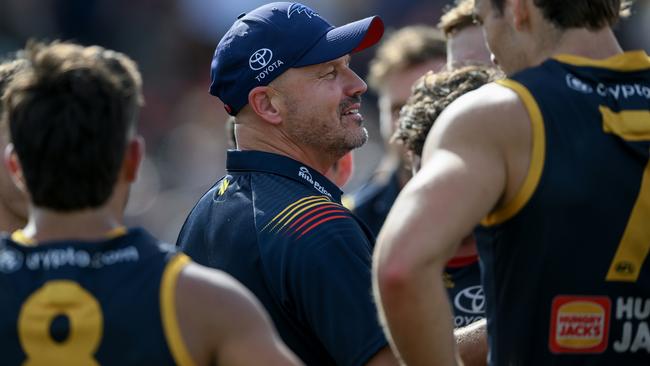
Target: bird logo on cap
[296, 8]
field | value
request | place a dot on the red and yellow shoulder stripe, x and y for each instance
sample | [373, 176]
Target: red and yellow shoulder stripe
[305, 214]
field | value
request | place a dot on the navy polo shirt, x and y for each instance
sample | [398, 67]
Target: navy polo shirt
[278, 226]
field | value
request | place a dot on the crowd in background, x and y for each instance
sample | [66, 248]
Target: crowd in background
[173, 42]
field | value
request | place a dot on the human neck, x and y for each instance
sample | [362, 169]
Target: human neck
[274, 141]
[9, 221]
[580, 42]
[90, 224]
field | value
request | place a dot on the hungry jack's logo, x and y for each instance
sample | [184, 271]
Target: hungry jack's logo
[579, 324]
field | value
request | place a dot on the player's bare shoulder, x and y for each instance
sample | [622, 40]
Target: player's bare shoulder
[493, 116]
[221, 321]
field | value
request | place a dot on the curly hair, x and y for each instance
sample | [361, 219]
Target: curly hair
[431, 94]
[457, 17]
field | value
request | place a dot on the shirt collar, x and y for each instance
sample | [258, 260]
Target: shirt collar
[259, 161]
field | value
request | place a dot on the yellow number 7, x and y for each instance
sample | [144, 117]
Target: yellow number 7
[635, 243]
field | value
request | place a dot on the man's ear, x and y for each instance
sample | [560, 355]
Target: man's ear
[521, 13]
[263, 102]
[12, 164]
[133, 158]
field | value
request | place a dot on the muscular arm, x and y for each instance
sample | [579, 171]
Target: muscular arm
[222, 323]
[463, 177]
[472, 343]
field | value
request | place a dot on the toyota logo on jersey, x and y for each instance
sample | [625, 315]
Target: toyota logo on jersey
[471, 300]
[260, 59]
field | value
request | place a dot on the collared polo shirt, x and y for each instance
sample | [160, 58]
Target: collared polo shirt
[278, 226]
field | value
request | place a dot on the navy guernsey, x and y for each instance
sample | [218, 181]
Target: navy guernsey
[565, 263]
[108, 302]
[278, 227]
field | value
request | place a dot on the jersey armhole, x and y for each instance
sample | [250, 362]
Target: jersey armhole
[511, 208]
[175, 342]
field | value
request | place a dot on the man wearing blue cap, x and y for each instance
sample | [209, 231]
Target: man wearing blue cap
[275, 222]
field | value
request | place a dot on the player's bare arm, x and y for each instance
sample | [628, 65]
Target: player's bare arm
[464, 176]
[472, 343]
[222, 323]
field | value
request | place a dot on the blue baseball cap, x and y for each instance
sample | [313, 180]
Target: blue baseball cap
[265, 42]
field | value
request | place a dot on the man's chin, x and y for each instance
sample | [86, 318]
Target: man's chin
[360, 139]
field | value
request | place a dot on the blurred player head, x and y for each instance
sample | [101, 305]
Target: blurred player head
[465, 39]
[13, 202]
[72, 117]
[403, 57]
[520, 32]
[432, 93]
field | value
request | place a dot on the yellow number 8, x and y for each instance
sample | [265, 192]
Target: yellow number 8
[54, 299]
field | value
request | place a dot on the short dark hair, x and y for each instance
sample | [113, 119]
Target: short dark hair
[457, 17]
[590, 14]
[70, 115]
[410, 46]
[431, 94]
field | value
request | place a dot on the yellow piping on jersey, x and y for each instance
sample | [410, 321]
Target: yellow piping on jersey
[538, 153]
[627, 61]
[172, 330]
[19, 236]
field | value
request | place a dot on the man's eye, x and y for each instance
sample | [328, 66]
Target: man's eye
[330, 75]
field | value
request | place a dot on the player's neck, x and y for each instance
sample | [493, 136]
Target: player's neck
[9, 221]
[581, 42]
[91, 224]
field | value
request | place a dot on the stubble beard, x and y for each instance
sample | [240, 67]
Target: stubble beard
[316, 133]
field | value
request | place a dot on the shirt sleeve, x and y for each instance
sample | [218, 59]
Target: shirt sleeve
[331, 289]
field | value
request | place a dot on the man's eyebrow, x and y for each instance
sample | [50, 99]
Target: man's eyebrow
[344, 59]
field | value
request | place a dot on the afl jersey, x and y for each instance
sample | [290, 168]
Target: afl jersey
[565, 270]
[462, 278]
[109, 302]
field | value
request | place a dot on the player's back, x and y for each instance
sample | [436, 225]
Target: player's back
[88, 303]
[564, 262]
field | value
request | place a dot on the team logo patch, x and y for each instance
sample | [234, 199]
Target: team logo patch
[579, 324]
[578, 85]
[296, 8]
[260, 58]
[11, 260]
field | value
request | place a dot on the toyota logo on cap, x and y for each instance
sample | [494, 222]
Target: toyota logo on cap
[260, 59]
